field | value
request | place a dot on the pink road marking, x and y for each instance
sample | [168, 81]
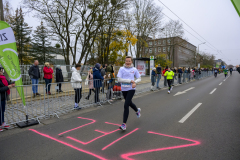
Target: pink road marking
[84, 143]
[113, 124]
[69, 145]
[119, 139]
[101, 131]
[93, 121]
[127, 155]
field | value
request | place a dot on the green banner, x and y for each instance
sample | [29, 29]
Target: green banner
[236, 4]
[9, 57]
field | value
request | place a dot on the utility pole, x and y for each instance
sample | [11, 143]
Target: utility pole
[1, 8]
[2, 19]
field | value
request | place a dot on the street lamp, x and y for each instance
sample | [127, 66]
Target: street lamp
[198, 53]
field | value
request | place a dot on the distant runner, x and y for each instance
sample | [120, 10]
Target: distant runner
[225, 72]
[170, 75]
[126, 76]
[231, 70]
[215, 72]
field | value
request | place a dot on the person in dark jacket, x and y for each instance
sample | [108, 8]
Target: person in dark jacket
[97, 81]
[180, 72]
[159, 72]
[153, 78]
[59, 78]
[238, 69]
[5, 87]
[34, 74]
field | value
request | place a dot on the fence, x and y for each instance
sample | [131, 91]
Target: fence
[66, 71]
[62, 98]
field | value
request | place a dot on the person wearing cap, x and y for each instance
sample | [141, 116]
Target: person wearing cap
[34, 74]
[59, 78]
[153, 78]
[97, 81]
[5, 87]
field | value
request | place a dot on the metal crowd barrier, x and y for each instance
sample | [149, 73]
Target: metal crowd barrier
[62, 98]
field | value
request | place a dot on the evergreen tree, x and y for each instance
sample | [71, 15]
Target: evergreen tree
[41, 46]
[22, 35]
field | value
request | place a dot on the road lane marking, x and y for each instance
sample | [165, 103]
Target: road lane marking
[220, 84]
[213, 91]
[179, 93]
[226, 78]
[190, 113]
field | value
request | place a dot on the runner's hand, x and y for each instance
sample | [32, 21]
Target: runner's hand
[9, 86]
[134, 85]
[13, 85]
[132, 81]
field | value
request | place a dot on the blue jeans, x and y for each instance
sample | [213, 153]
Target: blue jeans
[35, 85]
[158, 79]
[2, 110]
[47, 81]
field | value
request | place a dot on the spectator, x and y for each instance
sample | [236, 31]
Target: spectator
[103, 73]
[34, 74]
[238, 69]
[90, 83]
[110, 83]
[47, 70]
[105, 66]
[97, 81]
[175, 74]
[59, 78]
[153, 78]
[165, 77]
[159, 71]
[180, 72]
[5, 87]
[76, 84]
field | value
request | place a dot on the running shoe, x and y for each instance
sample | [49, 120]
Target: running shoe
[123, 127]
[171, 87]
[139, 113]
[168, 92]
[1, 130]
[77, 107]
[5, 126]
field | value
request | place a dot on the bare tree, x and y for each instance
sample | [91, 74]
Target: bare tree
[147, 21]
[173, 32]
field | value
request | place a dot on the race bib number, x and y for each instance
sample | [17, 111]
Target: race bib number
[126, 85]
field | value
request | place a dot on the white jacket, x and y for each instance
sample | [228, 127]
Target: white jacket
[76, 78]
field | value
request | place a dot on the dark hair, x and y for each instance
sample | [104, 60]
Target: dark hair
[129, 57]
[78, 65]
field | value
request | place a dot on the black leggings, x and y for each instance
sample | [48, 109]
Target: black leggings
[78, 95]
[225, 75]
[128, 95]
[169, 81]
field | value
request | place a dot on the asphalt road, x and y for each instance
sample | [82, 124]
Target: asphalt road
[188, 124]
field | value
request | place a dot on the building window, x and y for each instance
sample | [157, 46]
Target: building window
[168, 49]
[155, 50]
[150, 50]
[164, 49]
[146, 50]
[150, 43]
[159, 42]
[169, 41]
[164, 42]
[159, 49]
[155, 43]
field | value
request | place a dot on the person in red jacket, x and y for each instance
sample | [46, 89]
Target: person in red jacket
[47, 70]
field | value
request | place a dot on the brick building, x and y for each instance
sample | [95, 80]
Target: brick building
[178, 50]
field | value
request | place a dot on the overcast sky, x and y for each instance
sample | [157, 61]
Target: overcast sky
[215, 20]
